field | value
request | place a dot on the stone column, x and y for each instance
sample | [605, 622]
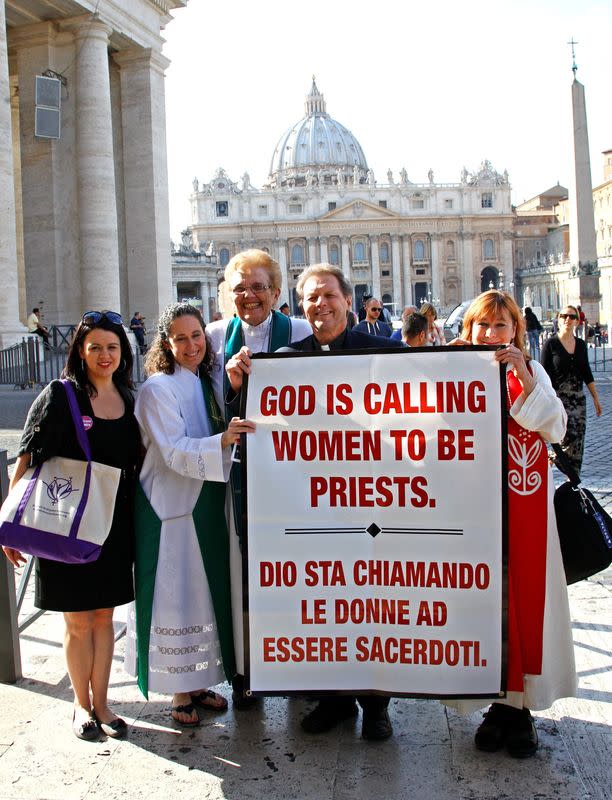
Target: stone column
[145, 176]
[205, 292]
[96, 169]
[375, 267]
[507, 259]
[312, 253]
[346, 256]
[10, 327]
[434, 244]
[396, 273]
[407, 270]
[281, 245]
[323, 244]
[467, 267]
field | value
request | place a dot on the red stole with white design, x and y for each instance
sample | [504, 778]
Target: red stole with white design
[527, 524]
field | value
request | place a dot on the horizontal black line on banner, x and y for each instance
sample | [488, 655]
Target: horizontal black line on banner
[446, 531]
[441, 531]
[324, 530]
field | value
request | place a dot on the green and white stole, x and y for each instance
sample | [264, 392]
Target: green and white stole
[280, 336]
[211, 530]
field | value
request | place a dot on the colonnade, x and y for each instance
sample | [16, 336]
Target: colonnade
[83, 218]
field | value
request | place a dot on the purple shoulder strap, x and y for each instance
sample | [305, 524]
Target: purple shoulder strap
[77, 419]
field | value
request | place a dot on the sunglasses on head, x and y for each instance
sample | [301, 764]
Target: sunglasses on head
[568, 316]
[93, 317]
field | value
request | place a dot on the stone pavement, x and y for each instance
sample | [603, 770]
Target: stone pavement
[264, 753]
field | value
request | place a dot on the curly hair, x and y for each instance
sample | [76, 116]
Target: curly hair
[159, 357]
[75, 369]
[248, 259]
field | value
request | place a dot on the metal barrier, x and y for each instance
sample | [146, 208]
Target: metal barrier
[28, 364]
[599, 357]
[10, 653]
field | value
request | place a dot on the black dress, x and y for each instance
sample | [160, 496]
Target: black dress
[568, 372]
[49, 431]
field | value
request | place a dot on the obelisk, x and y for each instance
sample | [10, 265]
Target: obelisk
[583, 245]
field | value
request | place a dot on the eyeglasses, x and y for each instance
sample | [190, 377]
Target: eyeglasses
[256, 288]
[377, 310]
[568, 316]
[93, 317]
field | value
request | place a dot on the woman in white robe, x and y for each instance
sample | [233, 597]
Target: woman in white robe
[180, 639]
[494, 318]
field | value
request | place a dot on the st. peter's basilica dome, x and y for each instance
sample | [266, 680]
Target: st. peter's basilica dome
[316, 147]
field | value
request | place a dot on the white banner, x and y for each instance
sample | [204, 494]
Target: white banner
[375, 512]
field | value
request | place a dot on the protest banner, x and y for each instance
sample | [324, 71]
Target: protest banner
[376, 522]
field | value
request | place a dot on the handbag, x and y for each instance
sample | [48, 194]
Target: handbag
[585, 528]
[63, 508]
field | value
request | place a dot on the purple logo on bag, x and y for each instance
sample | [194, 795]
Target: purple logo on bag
[59, 488]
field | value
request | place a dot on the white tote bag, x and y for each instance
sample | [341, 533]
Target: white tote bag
[62, 509]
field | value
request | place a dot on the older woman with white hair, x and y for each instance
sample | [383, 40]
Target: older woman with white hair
[254, 281]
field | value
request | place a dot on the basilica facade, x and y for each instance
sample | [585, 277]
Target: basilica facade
[400, 239]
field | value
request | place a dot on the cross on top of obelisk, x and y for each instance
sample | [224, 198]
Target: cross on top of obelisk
[574, 65]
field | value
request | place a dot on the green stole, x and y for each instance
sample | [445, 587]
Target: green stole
[280, 336]
[211, 530]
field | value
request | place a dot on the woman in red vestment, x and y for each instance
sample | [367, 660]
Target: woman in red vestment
[540, 651]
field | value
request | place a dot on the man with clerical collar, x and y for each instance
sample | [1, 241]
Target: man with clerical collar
[373, 322]
[325, 295]
[254, 280]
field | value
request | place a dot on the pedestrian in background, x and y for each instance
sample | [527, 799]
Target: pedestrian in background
[566, 360]
[534, 329]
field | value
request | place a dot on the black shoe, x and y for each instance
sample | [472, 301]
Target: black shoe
[376, 725]
[327, 714]
[522, 737]
[87, 730]
[243, 702]
[116, 728]
[492, 731]
[240, 700]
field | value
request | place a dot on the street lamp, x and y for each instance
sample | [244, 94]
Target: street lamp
[501, 281]
[491, 285]
[511, 288]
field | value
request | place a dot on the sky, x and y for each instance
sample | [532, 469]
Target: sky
[437, 85]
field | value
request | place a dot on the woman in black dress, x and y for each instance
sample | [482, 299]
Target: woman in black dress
[566, 359]
[100, 366]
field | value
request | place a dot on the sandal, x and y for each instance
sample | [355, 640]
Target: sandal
[188, 709]
[202, 701]
[87, 730]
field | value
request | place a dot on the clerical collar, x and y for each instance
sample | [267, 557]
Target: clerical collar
[257, 337]
[335, 344]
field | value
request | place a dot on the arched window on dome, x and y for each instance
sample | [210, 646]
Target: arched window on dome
[419, 250]
[359, 251]
[384, 253]
[224, 256]
[488, 248]
[297, 255]
[334, 255]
